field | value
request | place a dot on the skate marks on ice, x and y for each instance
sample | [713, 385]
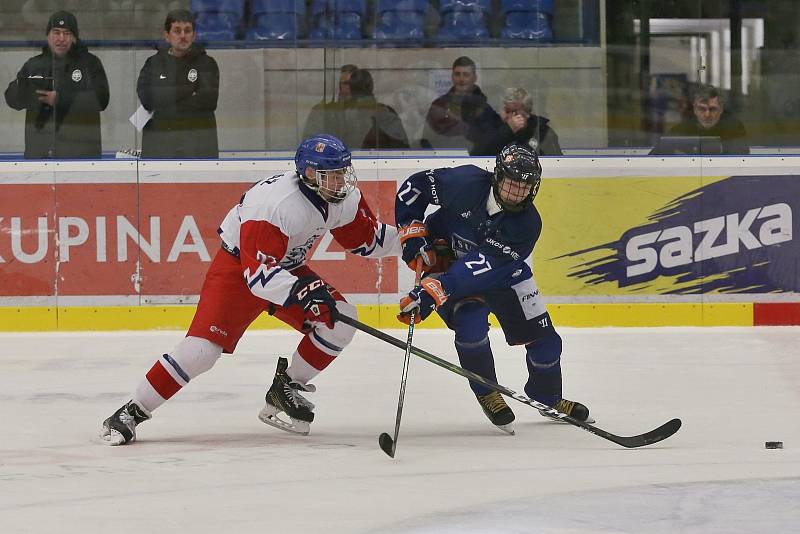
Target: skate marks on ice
[728, 507]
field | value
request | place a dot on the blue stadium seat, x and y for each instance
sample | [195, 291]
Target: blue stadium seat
[337, 19]
[400, 19]
[464, 20]
[528, 19]
[542, 6]
[275, 19]
[217, 26]
[217, 6]
[465, 5]
[217, 20]
[321, 20]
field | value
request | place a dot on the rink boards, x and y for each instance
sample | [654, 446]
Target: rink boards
[637, 241]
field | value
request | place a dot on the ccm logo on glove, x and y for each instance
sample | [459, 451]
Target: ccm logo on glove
[312, 294]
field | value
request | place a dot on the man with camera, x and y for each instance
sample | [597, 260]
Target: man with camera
[62, 90]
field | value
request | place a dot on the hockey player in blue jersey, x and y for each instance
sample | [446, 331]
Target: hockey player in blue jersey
[488, 225]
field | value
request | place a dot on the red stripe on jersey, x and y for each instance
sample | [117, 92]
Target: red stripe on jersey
[162, 382]
[360, 231]
[314, 356]
[261, 237]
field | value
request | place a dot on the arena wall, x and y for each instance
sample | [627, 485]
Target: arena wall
[638, 241]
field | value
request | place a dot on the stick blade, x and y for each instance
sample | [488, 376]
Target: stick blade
[648, 438]
[387, 444]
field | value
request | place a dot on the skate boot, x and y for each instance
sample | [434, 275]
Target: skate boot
[574, 409]
[284, 397]
[120, 428]
[497, 411]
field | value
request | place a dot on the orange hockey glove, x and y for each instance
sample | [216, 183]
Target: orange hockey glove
[416, 248]
[424, 298]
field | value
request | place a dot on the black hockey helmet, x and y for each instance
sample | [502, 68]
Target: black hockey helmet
[518, 163]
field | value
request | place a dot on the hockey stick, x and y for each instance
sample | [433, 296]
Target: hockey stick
[639, 440]
[386, 442]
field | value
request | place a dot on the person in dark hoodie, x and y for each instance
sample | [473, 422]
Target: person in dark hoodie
[456, 119]
[180, 86]
[365, 123]
[62, 90]
[518, 124]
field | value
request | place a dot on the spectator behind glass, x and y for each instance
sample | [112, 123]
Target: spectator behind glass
[519, 125]
[455, 119]
[62, 90]
[180, 86]
[710, 120]
[365, 123]
[324, 114]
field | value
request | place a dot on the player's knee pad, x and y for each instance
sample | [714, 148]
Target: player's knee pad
[545, 353]
[338, 337]
[471, 322]
[195, 355]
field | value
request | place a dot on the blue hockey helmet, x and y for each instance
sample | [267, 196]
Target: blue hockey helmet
[330, 158]
[517, 176]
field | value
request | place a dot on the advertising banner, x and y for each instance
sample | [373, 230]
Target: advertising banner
[632, 236]
[615, 230]
[148, 242]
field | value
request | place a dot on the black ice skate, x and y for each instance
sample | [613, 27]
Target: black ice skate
[284, 397]
[497, 411]
[574, 409]
[120, 428]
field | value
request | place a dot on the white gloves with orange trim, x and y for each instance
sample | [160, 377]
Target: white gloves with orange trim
[416, 248]
[424, 298]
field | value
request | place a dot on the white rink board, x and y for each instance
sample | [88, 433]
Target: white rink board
[205, 464]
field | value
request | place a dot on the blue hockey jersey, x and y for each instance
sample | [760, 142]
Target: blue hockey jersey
[491, 245]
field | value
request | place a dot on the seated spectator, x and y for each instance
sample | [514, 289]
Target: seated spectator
[180, 86]
[62, 90]
[456, 118]
[323, 115]
[710, 120]
[520, 125]
[363, 122]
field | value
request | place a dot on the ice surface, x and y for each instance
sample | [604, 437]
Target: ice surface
[205, 464]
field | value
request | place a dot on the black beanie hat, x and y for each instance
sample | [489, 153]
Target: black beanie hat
[63, 19]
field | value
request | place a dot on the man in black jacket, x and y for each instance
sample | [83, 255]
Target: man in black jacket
[363, 122]
[324, 116]
[520, 125]
[710, 121]
[456, 118]
[180, 86]
[62, 90]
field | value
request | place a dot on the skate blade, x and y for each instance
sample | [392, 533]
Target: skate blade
[508, 429]
[269, 415]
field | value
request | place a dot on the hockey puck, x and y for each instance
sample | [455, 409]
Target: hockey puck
[773, 445]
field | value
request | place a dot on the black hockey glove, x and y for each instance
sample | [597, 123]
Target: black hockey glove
[312, 294]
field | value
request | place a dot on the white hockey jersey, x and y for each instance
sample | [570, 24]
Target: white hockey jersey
[279, 219]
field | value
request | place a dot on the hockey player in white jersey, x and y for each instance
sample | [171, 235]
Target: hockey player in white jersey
[261, 268]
